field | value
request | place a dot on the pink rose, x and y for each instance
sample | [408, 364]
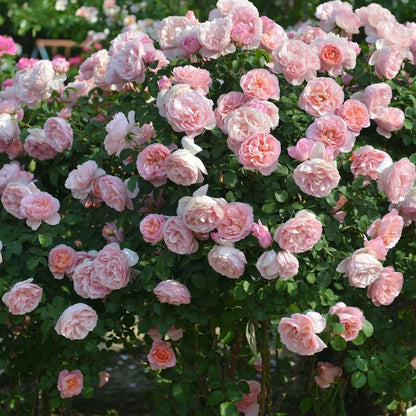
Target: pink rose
[261, 84]
[267, 265]
[247, 26]
[262, 233]
[172, 292]
[151, 227]
[104, 378]
[214, 37]
[178, 237]
[184, 168]
[197, 78]
[81, 179]
[297, 61]
[362, 268]
[267, 108]
[298, 333]
[151, 163]
[13, 172]
[365, 161]
[37, 146]
[248, 404]
[327, 373]
[113, 191]
[389, 228]
[349, 316]
[116, 139]
[272, 34]
[12, 197]
[389, 119]
[23, 297]
[355, 114]
[9, 130]
[376, 97]
[61, 258]
[227, 261]
[413, 363]
[386, 288]
[161, 355]
[321, 96]
[70, 383]
[112, 267]
[40, 206]
[58, 133]
[237, 221]
[112, 234]
[302, 151]
[397, 180]
[260, 152]
[173, 333]
[299, 234]
[76, 321]
[7, 46]
[87, 283]
[388, 61]
[287, 263]
[316, 177]
[407, 208]
[227, 103]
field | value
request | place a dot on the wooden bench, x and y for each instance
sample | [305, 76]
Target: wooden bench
[55, 45]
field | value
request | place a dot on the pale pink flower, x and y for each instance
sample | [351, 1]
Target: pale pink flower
[365, 161]
[7, 46]
[151, 227]
[58, 133]
[76, 321]
[9, 130]
[267, 265]
[12, 197]
[161, 355]
[37, 146]
[104, 378]
[112, 234]
[377, 247]
[70, 383]
[389, 119]
[237, 221]
[13, 172]
[272, 34]
[26, 62]
[40, 206]
[267, 108]
[376, 97]
[407, 207]
[172, 292]
[81, 179]
[321, 96]
[178, 237]
[113, 191]
[296, 60]
[327, 373]
[246, 29]
[349, 316]
[262, 233]
[261, 84]
[151, 163]
[226, 103]
[60, 64]
[298, 333]
[248, 404]
[197, 78]
[386, 288]
[413, 363]
[60, 259]
[307, 33]
[362, 268]
[397, 180]
[112, 267]
[23, 297]
[388, 61]
[355, 114]
[227, 261]
[287, 263]
[303, 149]
[389, 228]
[373, 14]
[299, 234]
[336, 13]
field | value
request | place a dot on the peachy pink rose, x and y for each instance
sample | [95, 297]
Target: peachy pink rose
[327, 373]
[23, 297]
[287, 263]
[178, 237]
[298, 333]
[365, 161]
[151, 163]
[389, 119]
[261, 84]
[113, 191]
[386, 288]
[349, 316]
[151, 227]
[76, 321]
[299, 234]
[172, 292]
[355, 114]
[267, 265]
[58, 133]
[13, 195]
[161, 355]
[70, 383]
[197, 78]
[61, 258]
[389, 228]
[184, 168]
[248, 404]
[237, 221]
[227, 261]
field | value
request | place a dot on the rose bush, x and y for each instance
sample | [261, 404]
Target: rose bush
[231, 187]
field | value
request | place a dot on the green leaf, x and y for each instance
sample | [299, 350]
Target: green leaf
[215, 397]
[338, 343]
[361, 364]
[337, 328]
[306, 404]
[372, 378]
[360, 339]
[406, 391]
[45, 240]
[230, 179]
[368, 328]
[228, 409]
[180, 392]
[358, 380]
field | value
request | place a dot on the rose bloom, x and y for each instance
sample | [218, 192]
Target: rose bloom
[296, 60]
[389, 119]
[272, 34]
[81, 179]
[331, 130]
[58, 133]
[172, 292]
[197, 78]
[376, 97]
[321, 96]
[161, 355]
[184, 168]
[173, 333]
[60, 259]
[227, 103]
[227, 261]
[316, 177]
[302, 151]
[260, 152]
[268, 108]
[237, 221]
[9, 130]
[267, 265]
[70, 383]
[116, 139]
[12, 197]
[112, 267]
[388, 61]
[327, 373]
[151, 163]
[397, 180]
[113, 191]
[104, 378]
[365, 161]
[7, 46]
[413, 363]
[37, 146]
[178, 237]
[87, 283]
[355, 114]
[151, 227]
[349, 316]
[201, 214]
[112, 234]
[299, 234]
[407, 207]
[262, 233]
[40, 206]
[248, 404]
[362, 268]
[288, 264]
[261, 84]
[386, 288]
[389, 228]
[12, 172]
[76, 321]
[23, 297]
[298, 333]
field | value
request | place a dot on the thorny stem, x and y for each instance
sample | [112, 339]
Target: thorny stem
[266, 391]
